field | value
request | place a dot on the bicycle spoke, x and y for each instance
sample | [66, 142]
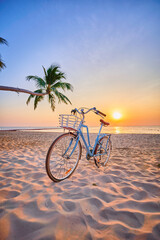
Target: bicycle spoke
[102, 151]
[60, 163]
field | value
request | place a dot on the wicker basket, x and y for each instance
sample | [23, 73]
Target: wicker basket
[70, 122]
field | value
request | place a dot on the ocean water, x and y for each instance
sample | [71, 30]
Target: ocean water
[112, 130]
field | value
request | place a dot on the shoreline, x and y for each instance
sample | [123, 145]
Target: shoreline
[62, 131]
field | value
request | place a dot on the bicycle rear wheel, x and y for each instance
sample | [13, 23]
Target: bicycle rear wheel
[63, 157]
[103, 150]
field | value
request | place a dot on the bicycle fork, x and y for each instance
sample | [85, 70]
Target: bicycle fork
[70, 144]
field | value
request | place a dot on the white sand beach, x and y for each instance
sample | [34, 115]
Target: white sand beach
[121, 201]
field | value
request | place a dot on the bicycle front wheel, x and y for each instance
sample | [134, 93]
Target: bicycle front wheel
[102, 151]
[63, 157]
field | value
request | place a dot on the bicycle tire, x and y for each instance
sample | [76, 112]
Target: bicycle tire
[56, 157]
[102, 160]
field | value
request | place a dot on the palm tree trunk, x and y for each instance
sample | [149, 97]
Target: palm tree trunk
[13, 89]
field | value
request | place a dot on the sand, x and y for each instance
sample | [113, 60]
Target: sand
[121, 201]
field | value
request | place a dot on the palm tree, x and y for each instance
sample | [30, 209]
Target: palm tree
[2, 65]
[50, 85]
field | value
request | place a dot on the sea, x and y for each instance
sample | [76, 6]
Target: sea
[109, 129]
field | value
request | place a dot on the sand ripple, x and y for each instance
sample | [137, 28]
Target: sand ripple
[121, 201]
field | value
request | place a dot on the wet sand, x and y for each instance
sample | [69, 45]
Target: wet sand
[120, 201]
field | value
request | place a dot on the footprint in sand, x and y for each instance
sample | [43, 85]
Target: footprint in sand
[8, 194]
[132, 219]
[69, 206]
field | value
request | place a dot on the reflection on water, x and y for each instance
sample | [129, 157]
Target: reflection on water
[129, 130]
[135, 130]
[117, 130]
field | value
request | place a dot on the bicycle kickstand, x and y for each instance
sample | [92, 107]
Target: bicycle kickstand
[96, 163]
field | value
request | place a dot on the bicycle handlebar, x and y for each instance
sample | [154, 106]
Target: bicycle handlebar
[91, 109]
[103, 114]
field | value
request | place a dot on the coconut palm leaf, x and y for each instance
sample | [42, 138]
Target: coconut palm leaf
[56, 92]
[61, 97]
[3, 41]
[39, 81]
[64, 98]
[51, 99]
[53, 74]
[50, 72]
[2, 65]
[39, 98]
[44, 71]
[63, 85]
[29, 99]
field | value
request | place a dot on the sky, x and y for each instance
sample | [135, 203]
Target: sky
[109, 51]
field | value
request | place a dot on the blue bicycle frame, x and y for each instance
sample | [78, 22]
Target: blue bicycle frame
[90, 150]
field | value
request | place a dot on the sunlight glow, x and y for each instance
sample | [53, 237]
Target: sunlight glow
[117, 115]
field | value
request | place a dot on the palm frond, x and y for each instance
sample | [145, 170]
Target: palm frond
[54, 74]
[58, 77]
[56, 92]
[37, 98]
[51, 99]
[3, 41]
[64, 98]
[63, 85]
[2, 65]
[51, 72]
[29, 99]
[44, 70]
[39, 81]
[45, 73]
[61, 97]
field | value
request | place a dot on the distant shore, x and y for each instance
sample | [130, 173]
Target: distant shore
[28, 128]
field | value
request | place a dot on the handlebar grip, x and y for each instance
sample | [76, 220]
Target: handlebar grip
[73, 111]
[103, 114]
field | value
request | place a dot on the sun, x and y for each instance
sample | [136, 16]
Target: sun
[117, 115]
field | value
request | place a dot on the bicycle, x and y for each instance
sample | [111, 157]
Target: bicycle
[66, 150]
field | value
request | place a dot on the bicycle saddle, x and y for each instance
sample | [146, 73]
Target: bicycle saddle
[103, 122]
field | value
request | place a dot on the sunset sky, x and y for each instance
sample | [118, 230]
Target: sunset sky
[109, 50]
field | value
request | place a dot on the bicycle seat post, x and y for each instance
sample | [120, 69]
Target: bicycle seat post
[100, 128]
